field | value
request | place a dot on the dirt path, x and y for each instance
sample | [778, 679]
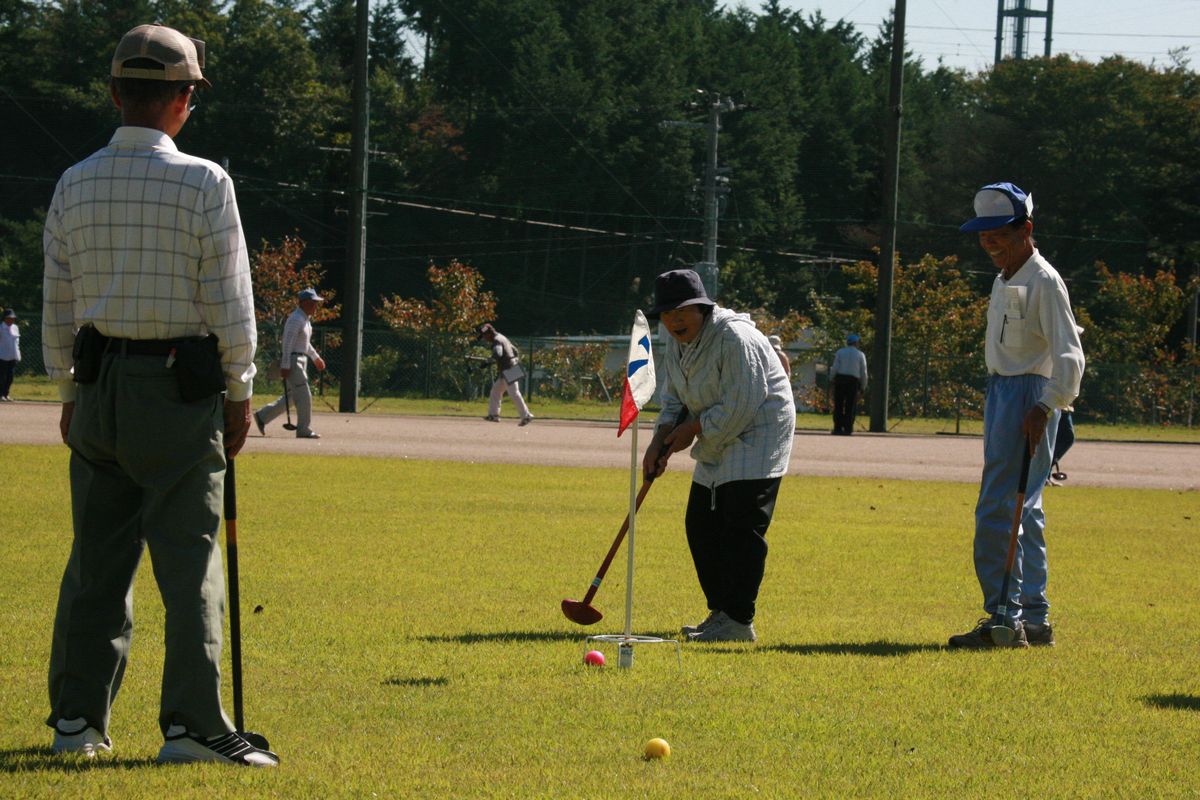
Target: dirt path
[582, 444]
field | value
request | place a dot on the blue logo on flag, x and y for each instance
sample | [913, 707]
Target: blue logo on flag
[634, 366]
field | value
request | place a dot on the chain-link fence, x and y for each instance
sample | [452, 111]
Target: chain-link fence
[592, 368]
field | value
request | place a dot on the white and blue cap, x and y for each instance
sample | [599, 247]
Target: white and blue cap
[998, 204]
[310, 294]
[852, 339]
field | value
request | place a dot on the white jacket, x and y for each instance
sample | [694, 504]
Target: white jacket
[730, 377]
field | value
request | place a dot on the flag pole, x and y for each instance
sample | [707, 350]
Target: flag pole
[632, 525]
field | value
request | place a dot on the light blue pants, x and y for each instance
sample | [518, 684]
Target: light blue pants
[1008, 400]
[299, 396]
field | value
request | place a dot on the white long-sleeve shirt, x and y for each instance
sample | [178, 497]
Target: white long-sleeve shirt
[145, 242]
[10, 342]
[1031, 330]
[730, 378]
[850, 361]
[297, 338]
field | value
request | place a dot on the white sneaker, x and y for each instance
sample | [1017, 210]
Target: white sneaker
[182, 747]
[86, 740]
[726, 630]
[713, 618]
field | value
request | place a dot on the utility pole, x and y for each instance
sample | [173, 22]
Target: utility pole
[709, 270]
[716, 184]
[1193, 321]
[357, 244]
[881, 350]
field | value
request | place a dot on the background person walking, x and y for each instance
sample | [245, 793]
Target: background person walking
[148, 330]
[508, 365]
[295, 352]
[848, 374]
[1035, 365]
[10, 353]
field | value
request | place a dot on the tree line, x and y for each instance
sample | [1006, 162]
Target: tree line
[526, 138]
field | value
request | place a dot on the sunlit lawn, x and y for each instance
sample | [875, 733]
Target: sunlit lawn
[410, 644]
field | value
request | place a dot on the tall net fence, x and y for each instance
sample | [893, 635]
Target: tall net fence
[396, 365]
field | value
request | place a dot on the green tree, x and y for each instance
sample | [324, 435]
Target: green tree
[21, 264]
[939, 321]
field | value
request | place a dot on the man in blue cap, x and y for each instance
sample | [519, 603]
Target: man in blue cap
[296, 351]
[1035, 364]
[848, 373]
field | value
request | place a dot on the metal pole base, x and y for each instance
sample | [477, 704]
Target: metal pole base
[625, 644]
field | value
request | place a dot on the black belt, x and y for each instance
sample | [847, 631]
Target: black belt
[142, 347]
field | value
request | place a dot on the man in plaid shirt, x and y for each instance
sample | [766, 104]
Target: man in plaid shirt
[145, 262]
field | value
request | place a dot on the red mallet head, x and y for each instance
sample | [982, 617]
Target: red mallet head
[594, 658]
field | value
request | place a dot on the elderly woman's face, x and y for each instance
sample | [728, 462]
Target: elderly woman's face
[683, 323]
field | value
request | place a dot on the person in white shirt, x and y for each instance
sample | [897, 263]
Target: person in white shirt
[1035, 364]
[10, 353]
[148, 330]
[296, 351]
[848, 374]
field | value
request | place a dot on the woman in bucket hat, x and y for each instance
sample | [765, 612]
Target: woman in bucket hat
[741, 421]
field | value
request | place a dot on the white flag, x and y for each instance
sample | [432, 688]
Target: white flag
[639, 373]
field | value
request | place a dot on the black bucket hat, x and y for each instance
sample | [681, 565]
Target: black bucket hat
[676, 289]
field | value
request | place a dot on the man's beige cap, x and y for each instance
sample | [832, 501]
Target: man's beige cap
[182, 58]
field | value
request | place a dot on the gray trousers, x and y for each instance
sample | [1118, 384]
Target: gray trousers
[299, 394]
[147, 470]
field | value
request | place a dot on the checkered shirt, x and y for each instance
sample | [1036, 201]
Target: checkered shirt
[145, 242]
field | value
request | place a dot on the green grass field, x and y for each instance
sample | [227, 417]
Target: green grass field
[410, 644]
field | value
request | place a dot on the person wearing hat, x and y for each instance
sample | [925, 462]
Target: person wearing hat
[784, 361]
[848, 375]
[741, 418]
[10, 352]
[508, 377]
[148, 330]
[295, 352]
[1035, 364]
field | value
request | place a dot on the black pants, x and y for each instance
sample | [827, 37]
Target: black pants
[726, 532]
[7, 368]
[845, 402]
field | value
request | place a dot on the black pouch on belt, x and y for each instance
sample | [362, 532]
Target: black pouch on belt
[198, 367]
[86, 353]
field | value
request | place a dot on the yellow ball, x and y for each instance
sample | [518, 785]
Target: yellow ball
[657, 748]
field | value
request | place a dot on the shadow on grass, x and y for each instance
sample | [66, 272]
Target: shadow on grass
[1184, 702]
[880, 648]
[439, 681]
[40, 759]
[503, 636]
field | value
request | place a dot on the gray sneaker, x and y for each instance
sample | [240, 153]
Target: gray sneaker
[712, 618]
[727, 629]
[981, 637]
[1039, 635]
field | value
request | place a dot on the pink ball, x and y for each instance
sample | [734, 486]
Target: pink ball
[594, 658]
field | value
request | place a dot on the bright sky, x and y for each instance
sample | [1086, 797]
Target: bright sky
[963, 32]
